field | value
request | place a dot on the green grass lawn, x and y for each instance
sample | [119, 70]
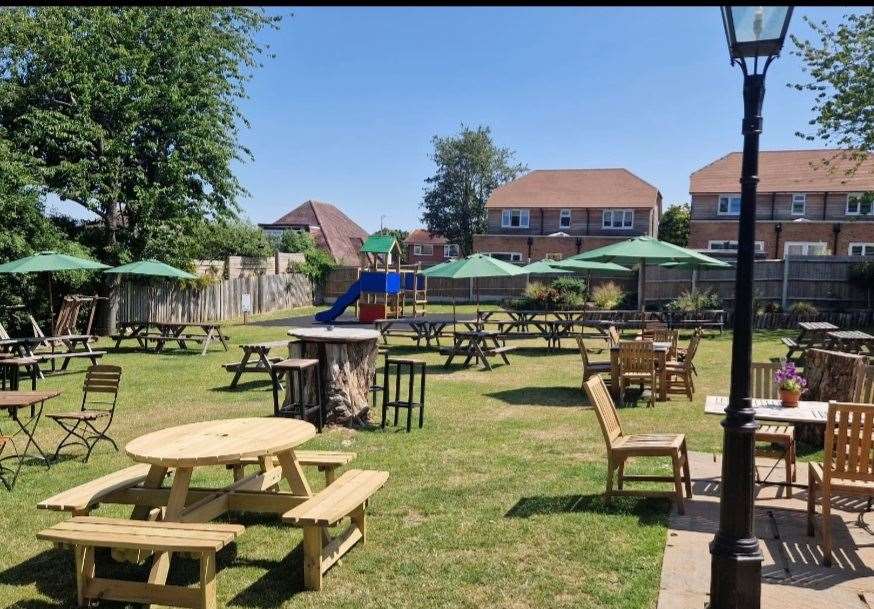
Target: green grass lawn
[495, 503]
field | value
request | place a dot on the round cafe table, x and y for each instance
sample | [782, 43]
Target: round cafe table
[347, 362]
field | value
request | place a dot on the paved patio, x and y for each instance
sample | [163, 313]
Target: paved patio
[792, 574]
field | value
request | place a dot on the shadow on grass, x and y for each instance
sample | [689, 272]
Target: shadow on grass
[541, 396]
[260, 383]
[649, 510]
[280, 581]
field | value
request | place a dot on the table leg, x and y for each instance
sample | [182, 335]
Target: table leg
[663, 376]
[175, 505]
[614, 373]
[207, 340]
[221, 337]
[246, 354]
[293, 472]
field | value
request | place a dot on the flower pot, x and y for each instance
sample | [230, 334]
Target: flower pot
[789, 398]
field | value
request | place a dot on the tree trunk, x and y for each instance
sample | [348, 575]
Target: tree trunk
[111, 288]
[831, 375]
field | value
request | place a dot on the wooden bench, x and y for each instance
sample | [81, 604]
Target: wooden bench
[327, 462]
[792, 345]
[85, 533]
[80, 500]
[347, 497]
[94, 356]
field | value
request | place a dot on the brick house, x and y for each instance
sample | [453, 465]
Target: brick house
[802, 208]
[556, 213]
[332, 230]
[428, 249]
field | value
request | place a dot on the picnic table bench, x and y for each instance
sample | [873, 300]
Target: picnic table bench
[263, 362]
[477, 346]
[29, 347]
[162, 332]
[812, 334]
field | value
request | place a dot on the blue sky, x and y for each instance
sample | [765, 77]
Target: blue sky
[345, 111]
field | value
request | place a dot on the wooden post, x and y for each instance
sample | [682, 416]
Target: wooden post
[784, 300]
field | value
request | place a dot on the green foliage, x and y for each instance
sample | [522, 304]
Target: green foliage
[294, 241]
[607, 296]
[469, 167]
[841, 83]
[131, 112]
[674, 225]
[569, 285]
[768, 308]
[861, 274]
[317, 264]
[699, 300]
[400, 236]
[803, 308]
[563, 294]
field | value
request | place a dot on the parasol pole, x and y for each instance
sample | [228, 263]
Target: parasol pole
[51, 305]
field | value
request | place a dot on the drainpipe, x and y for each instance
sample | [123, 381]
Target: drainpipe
[836, 229]
[778, 228]
[579, 245]
[824, 204]
[773, 203]
[541, 222]
[530, 244]
[587, 221]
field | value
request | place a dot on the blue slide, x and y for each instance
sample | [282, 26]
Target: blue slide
[340, 304]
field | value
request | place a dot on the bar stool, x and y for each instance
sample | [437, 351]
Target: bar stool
[412, 368]
[375, 387]
[295, 403]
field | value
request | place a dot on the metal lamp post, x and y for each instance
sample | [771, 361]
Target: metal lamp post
[755, 36]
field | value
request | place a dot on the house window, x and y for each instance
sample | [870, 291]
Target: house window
[731, 246]
[858, 204]
[514, 218]
[805, 248]
[729, 205]
[506, 256]
[799, 203]
[450, 250]
[423, 249]
[861, 249]
[564, 219]
[554, 256]
[618, 218]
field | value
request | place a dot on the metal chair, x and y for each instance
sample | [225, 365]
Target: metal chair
[90, 424]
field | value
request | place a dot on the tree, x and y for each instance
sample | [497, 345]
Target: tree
[295, 241]
[131, 112]
[674, 225]
[469, 167]
[841, 69]
[317, 262]
[400, 236]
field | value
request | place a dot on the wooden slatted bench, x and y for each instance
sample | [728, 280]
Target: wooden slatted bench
[792, 345]
[327, 462]
[85, 533]
[346, 497]
[81, 499]
[94, 356]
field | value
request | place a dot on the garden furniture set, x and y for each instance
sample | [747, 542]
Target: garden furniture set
[162, 332]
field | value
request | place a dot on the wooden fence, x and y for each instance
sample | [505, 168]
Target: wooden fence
[242, 266]
[219, 301]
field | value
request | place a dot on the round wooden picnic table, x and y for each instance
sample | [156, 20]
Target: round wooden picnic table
[347, 362]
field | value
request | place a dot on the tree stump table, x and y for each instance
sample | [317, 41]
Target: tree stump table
[347, 360]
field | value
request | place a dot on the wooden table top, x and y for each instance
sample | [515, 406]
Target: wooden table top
[183, 324]
[219, 442]
[334, 335]
[655, 347]
[851, 335]
[773, 410]
[817, 326]
[18, 399]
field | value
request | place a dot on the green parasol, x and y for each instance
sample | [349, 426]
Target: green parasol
[48, 262]
[695, 265]
[544, 267]
[474, 267]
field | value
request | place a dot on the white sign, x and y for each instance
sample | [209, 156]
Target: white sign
[246, 303]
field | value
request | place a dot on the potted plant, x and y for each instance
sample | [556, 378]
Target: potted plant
[791, 384]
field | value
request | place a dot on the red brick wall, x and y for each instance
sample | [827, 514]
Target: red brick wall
[428, 260]
[851, 232]
[540, 245]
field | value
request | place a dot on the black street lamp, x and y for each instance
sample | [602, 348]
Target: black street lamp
[755, 36]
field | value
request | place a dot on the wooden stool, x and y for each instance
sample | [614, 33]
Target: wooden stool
[375, 387]
[412, 366]
[295, 403]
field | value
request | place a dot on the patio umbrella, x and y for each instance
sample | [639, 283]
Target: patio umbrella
[640, 251]
[48, 262]
[571, 264]
[474, 267]
[695, 265]
[151, 268]
[544, 267]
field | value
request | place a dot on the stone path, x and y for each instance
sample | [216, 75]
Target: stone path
[792, 574]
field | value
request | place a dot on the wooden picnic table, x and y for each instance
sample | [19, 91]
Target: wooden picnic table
[29, 347]
[428, 330]
[162, 332]
[347, 363]
[812, 334]
[807, 411]
[852, 341]
[210, 443]
[262, 363]
[12, 402]
[661, 351]
[477, 346]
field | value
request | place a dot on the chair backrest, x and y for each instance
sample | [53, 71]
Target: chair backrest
[636, 356]
[848, 442]
[762, 384]
[864, 393]
[692, 349]
[613, 336]
[605, 409]
[3, 334]
[101, 379]
[666, 335]
[584, 355]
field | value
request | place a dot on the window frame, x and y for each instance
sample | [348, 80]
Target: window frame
[611, 213]
[562, 215]
[858, 212]
[806, 245]
[864, 245]
[422, 249]
[758, 246]
[447, 250]
[803, 200]
[512, 256]
[728, 211]
[507, 217]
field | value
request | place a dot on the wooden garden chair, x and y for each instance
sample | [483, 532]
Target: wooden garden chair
[637, 363]
[613, 336]
[864, 392]
[774, 441]
[847, 467]
[589, 368]
[89, 425]
[667, 335]
[621, 446]
[682, 351]
[679, 372]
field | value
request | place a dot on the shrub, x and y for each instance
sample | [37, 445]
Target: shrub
[316, 265]
[569, 285]
[607, 296]
[695, 301]
[803, 308]
[563, 294]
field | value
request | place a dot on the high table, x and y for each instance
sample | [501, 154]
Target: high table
[347, 362]
[661, 351]
[12, 402]
[211, 443]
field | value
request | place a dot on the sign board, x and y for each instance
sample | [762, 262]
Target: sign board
[246, 303]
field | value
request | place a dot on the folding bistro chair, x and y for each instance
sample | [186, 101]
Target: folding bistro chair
[89, 425]
[6, 472]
